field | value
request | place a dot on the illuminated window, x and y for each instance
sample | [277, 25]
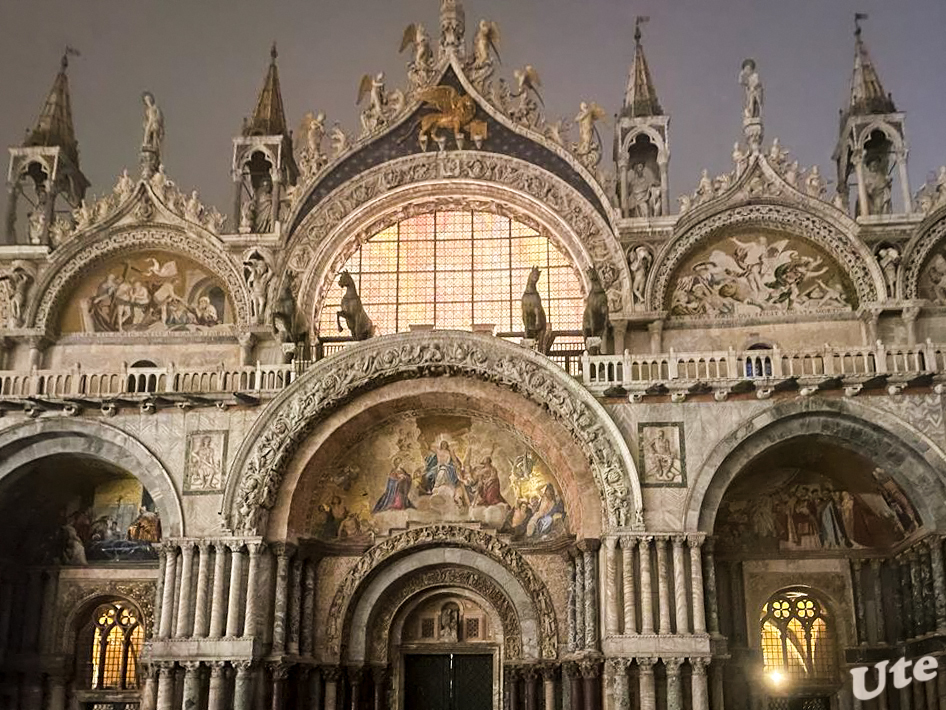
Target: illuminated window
[455, 269]
[797, 639]
[117, 637]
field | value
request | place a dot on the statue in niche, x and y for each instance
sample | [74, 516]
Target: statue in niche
[263, 223]
[18, 283]
[450, 623]
[639, 261]
[37, 226]
[877, 183]
[533, 314]
[595, 319]
[357, 320]
[645, 192]
[752, 83]
[153, 125]
[247, 216]
[258, 276]
[284, 312]
[889, 259]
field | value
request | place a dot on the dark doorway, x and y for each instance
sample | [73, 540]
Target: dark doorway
[448, 681]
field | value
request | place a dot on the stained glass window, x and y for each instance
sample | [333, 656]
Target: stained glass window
[797, 638]
[454, 269]
[117, 637]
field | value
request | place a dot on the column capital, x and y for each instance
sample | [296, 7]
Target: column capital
[616, 666]
[165, 668]
[187, 547]
[379, 674]
[169, 546]
[254, 547]
[590, 667]
[660, 542]
[628, 543]
[217, 668]
[876, 563]
[530, 671]
[589, 544]
[236, 546]
[355, 673]
[695, 540]
[204, 546]
[279, 669]
[243, 668]
[190, 666]
[645, 665]
[282, 549]
[549, 671]
[699, 664]
[678, 540]
[857, 563]
[610, 543]
[672, 665]
[331, 674]
[221, 546]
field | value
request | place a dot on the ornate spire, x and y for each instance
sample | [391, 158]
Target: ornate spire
[54, 125]
[640, 99]
[269, 117]
[452, 26]
[867, 93]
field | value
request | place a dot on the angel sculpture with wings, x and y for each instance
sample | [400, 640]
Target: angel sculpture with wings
[527, 85]
[589, 141]
[455, 112]
[485, 42]
[309, 147]
[416, 35]
[373, 116]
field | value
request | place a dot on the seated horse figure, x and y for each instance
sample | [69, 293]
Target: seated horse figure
[533, 314]
[357, 320]
[595, 320]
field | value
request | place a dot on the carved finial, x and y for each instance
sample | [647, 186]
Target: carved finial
[65, 57]
[858, 16]
[273, 53]
[638, 21]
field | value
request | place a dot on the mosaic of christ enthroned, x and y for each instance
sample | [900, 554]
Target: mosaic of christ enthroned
[439, 467]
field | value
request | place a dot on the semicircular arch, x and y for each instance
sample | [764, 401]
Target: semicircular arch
[918, 251]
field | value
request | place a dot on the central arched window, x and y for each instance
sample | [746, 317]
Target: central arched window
[797, 639]
[457, 269]
[111, 646]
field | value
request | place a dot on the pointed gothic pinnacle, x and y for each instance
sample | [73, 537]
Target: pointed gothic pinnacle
[640, 98]
[867, 93]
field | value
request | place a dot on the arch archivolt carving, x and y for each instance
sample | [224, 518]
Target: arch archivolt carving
[918, 250]
[261, 463]
[852, 256]
[356, 210]
[77, 598]
[534, 611]
[72, 261]
[910, 457]
[410, 586]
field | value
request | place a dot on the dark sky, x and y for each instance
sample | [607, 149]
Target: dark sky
[205, 62]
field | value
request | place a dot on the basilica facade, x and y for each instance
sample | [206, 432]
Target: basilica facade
[456, 410]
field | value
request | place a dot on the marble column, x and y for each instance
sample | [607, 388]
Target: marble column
[202, 607]
[530, 676]
[700, 698]
[48, 619]
[591, 680]
[315, 689]
[628, 583]
[243, 685]
[878, 589]
[279, 672]
[611, 588]
[696, 584]
[166, 685]
[589, 550]
[926, 588]
[647, 594]
[858, 591]
[717, 687]
[217, 679]
[681, 610]
[512, 687]
[355, 675]
[663, 587]
[647, 689]
[331, 675]
[579, 586]
[617, 670]
[295, 606]
[379, 678]
[250, 620]
[935, 543]
[737, 600]
[674, 688]
[218, 609]
[57, 693]
[191, 684]
[308, 609]
[575, 694]
[709, 575]
[149, 699]
[183, 629]
[573, 644]
[167, 602]
[549, 671]
[234, 615]
[282, 552]
[916, 585]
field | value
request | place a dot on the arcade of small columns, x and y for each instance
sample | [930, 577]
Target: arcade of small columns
[214, 595]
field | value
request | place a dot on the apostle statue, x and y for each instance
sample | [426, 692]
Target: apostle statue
[750, 80]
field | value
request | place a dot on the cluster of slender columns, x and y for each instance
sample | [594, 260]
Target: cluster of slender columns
[583, 596]
[531, 686]
[654, 584]
[622, 674]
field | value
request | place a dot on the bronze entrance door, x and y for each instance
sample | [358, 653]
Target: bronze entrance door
[448, 681]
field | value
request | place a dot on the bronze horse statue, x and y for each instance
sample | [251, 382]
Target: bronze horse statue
[594, 322]
[533, 314]
[357, 320]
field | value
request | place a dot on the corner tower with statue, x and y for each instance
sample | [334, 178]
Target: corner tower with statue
[448, 411]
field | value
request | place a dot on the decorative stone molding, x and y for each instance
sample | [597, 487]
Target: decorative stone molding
[916, 254]
[260, 464]
[327, 230]
[465, 578]
[77, 595]
[73, 261]
[852, 256]
[443, 536]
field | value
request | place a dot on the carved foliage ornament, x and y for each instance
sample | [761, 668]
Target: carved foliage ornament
[426, 355]
[596, 236]
[444, 536]
[916, 258]
[783, 219]
[79, 261]
[446, 577]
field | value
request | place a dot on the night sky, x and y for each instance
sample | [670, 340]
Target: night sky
[205, 62]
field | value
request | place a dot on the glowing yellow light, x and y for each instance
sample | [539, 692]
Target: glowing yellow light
[776, 677]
